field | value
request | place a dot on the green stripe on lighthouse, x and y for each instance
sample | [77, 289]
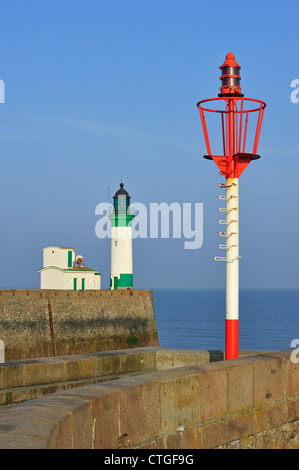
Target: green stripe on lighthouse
[125, 280]
[121, 220]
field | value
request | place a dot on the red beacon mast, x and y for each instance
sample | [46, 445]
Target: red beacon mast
[232, 158]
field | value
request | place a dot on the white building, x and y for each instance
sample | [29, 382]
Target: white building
[62, 269]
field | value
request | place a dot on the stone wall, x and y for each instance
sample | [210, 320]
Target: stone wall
[250, 402]
[49, 323]
[25, 379]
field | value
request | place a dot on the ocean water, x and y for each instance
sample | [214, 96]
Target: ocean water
[195, 319]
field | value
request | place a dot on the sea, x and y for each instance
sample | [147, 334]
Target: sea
[195, 319]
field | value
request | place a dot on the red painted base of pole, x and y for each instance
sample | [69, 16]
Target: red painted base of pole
[231, 339]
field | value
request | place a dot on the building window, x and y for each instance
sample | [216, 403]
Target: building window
[70, 259]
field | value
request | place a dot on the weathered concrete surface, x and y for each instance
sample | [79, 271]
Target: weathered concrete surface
[172, 358]
[49, 323]
[251, 402]
[25, 379]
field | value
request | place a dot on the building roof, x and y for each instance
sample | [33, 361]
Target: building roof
[75, 269]
[81, 268]
[61, 247]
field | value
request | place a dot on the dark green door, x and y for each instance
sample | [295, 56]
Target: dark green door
[115, 279]
[75, 284]
[83, 284]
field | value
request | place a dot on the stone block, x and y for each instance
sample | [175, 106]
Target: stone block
[36, 372]
[215, 434]
[213, 392]
[168, 358]
[62, 438]
[79, 409]
[11, 375]
[193, 439]
[240, 427]
[261, 420]
[175, 441]
[107, 364]
[30, 422]
[268, 379]
[291, 378]
[161, 443]
[240, 388]
[180, 401]
[295, 406]
[139, 416]
[79, 367]
[106, 422]
[83, 427]
[281, 414]
[104, 404]
[135, 360]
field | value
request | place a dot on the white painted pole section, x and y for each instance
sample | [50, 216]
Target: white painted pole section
[232, 249]
[232, 267]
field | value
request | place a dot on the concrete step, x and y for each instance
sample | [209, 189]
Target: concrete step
[12, 396]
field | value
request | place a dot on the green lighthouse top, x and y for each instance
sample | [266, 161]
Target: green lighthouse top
[122, 214]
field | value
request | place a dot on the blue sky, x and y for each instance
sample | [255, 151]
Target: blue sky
[97, 90]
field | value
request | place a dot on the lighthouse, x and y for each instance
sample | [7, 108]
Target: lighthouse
[121, 241]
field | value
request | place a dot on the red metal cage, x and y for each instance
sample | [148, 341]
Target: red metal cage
[234, 122]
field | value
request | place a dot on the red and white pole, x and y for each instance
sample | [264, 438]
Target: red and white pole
[232, 243]
[232, 269]
[233, 161]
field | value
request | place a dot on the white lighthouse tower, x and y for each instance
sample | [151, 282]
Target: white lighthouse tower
[121, 241]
